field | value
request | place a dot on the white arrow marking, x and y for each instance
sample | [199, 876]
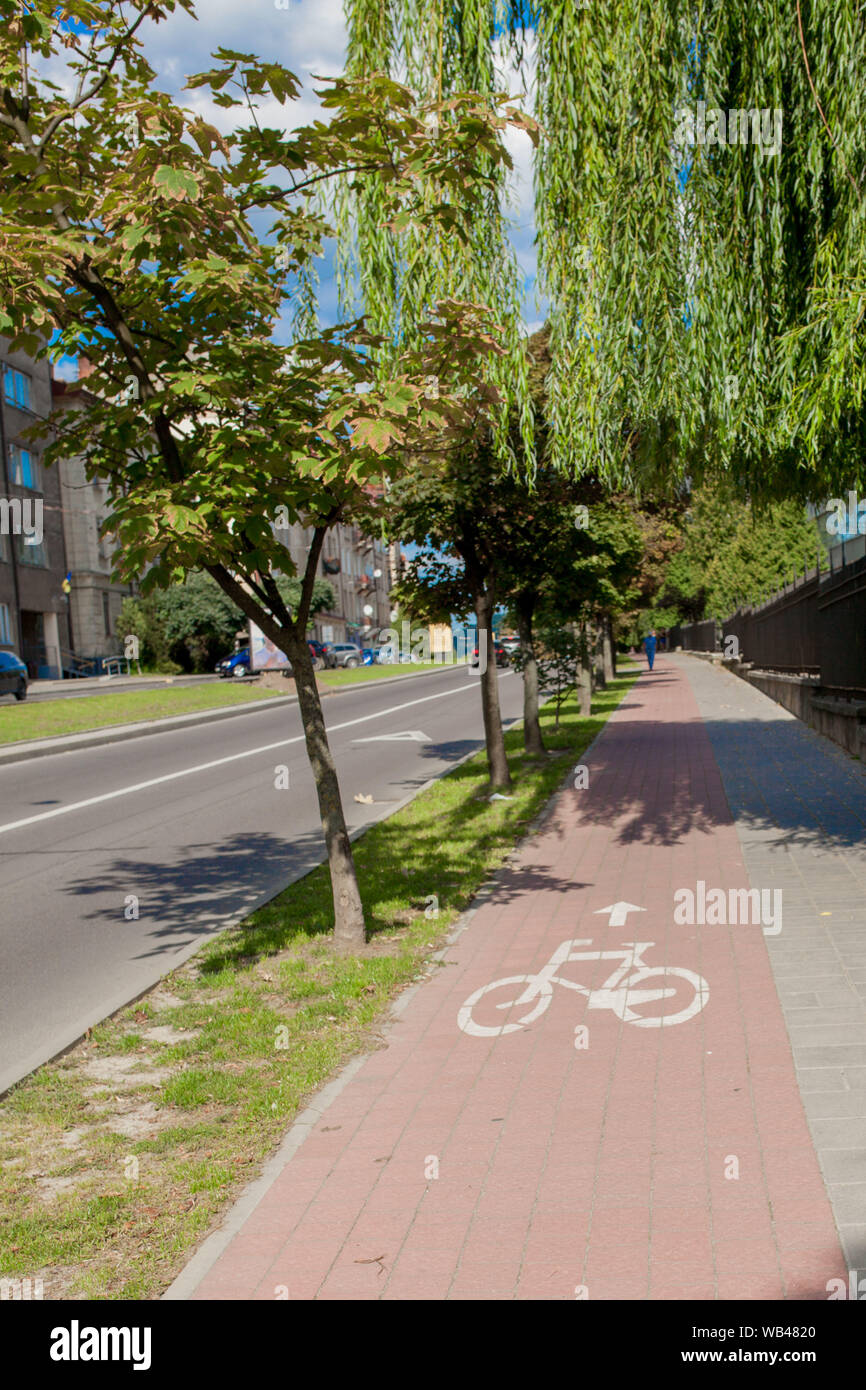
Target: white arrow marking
[618, 912]
[408, 736]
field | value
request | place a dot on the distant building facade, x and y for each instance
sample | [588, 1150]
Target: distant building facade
[95, 596]
[357, 568]
[59, 602]
[34, 609]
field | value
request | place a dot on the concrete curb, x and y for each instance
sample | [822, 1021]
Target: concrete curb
[118, 733]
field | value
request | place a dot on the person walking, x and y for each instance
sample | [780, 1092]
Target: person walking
[650, 642]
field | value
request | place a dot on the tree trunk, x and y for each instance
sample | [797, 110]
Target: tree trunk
[609, 648]
[493, 736]
[532, 740]
[584, 679]
[349, 932]
[599, 672]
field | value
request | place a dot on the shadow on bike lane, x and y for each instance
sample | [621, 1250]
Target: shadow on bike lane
[590, 1098]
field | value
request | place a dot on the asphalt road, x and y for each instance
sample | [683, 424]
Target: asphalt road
[191, 824]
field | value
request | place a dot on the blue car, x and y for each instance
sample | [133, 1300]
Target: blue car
[13, 676]
[368, 656]
[237, 665]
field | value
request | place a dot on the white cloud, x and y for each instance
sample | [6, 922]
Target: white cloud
[66, 369]
[309, 37]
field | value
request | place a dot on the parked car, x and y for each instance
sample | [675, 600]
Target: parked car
[344, 654]
[237, 665]
[13, 676]
[501, 655]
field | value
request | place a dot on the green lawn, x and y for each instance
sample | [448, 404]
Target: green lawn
[51, 718]
[108, 1185]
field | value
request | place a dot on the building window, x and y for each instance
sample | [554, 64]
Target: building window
[31, 554]
[25, 469]
[17, 387]
[5, 624]
[106, 614]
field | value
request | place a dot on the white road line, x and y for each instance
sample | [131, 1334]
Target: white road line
[220, 762]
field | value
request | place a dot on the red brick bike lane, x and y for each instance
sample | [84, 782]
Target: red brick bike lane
[643, 1138]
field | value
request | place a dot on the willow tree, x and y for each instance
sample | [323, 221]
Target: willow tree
[700, 209]
[700, 194]
[779, 242]
[394, 267]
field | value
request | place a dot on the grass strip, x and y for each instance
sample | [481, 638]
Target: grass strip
[117, 1159]
[53, 718]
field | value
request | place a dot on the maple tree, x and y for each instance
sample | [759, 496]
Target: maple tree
[166, 250]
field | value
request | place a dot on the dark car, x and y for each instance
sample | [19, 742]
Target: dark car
[13, 676]
[501, 655]
[237, 665]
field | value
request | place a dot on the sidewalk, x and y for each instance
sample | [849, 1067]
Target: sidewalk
[582, 1154]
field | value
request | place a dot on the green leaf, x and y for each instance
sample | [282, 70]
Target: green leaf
[178, 184]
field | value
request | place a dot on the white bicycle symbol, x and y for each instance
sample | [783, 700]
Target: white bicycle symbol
[623, 991]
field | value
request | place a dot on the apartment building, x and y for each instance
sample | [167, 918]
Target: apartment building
[34, 609]
[95, 596]
[357, 568]
[59, 603]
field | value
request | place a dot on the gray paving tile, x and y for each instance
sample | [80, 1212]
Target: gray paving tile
[803, 1035]
[844, 1166]
[845, 1055]
[849, 1202]
[799, 1018]
[820, 1105]
[853, 1237]
[844, 1132]
[795, 981]
[821, 1079]
[799, 805]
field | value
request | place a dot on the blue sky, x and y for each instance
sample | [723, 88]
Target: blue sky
[310, 38]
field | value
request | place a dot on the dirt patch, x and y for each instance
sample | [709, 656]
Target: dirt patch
[162, 999]
[118, 1072]
[166, 1034]
[274, 680]
[73, 1138]
[140, 1122]
[49, 1189]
